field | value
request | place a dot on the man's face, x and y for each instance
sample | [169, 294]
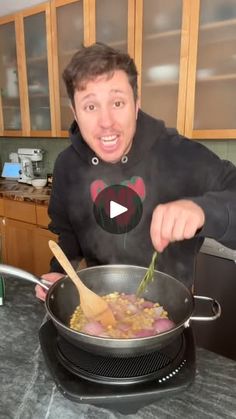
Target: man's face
[106, 114]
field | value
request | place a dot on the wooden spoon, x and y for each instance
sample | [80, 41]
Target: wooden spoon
[93, 306]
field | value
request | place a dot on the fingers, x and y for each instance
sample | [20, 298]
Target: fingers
[50, 277]
[175, 221]
[156, 228]
[178, 231]
[190, 229]
[161, 231]
[40, 293]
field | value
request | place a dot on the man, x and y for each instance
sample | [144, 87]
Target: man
[187, 192]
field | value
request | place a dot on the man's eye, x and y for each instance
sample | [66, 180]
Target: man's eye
[90, 107]
[118, 104]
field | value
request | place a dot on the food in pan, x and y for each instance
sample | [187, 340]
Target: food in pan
[135, 318]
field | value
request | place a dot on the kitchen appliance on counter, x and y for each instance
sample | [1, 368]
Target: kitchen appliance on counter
[124, 384]
[11, 171]
[30, 159]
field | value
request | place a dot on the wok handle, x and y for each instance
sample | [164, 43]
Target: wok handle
[215, 306]
[20, 273]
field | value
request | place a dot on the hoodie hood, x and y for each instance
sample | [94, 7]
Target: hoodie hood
[148, 130]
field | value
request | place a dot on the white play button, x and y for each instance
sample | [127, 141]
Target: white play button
[116, 209]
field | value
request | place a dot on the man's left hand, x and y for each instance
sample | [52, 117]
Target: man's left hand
[175, 221]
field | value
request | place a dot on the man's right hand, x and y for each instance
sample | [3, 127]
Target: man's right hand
[50, 277]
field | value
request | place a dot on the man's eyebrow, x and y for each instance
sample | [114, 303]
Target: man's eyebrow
[88, 96]
[93, 95]
[118, 91]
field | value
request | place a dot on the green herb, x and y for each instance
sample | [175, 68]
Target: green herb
[148, 277]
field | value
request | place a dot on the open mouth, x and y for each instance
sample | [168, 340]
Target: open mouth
[109, 142]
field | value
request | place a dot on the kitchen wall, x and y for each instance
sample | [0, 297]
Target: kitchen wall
[226, 149]
[51, 146]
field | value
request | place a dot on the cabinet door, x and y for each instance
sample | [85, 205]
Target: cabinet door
[19, 240]
[161, 54]
[70, 31]
[112, 22]
[26, 246]
[210, 111]
[42, 253]
[2, 240]
[10, 112]
[37, 64]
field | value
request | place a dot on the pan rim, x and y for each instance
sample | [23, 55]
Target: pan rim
[120, 341]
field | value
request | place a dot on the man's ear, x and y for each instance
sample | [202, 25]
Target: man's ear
[73, 111]
[137, 107]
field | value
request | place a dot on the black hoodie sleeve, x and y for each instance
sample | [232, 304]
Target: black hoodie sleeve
[60, 223]
[219, 205]
[208, 181]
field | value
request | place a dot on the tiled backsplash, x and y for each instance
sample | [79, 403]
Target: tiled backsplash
[226, 149]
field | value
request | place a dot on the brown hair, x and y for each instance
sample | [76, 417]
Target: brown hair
[93, 61]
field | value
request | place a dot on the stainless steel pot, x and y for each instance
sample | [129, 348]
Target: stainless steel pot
[62, 299]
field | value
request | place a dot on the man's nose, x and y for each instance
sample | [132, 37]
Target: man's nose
[105, 118]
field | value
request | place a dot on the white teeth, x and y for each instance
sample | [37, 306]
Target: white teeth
[108, 138]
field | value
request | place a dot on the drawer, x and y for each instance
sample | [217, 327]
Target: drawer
[42, 215]
[1, 207]
[22, 211]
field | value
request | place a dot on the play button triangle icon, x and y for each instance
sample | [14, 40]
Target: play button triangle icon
[116, 209]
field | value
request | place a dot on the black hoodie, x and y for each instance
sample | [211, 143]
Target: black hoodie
[170, 167]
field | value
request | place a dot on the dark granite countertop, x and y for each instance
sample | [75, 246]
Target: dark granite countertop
[16, 191]
[27, 390]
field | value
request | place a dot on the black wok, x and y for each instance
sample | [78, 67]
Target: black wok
[62, 299]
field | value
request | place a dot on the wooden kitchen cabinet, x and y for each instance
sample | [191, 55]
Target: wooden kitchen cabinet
[34, 42]
[2, 232]
[22, 211]
[161, 55]
[184, 51]
[113, 23]
[2, 240]
[154, 32]
[186, 54]
[19, 244]
[26, 74]
[42, 253]
[1, 206]
[76, 23]
[176, 45]
[211, 86]
[11, 92]
[70, 30]
[24, 236]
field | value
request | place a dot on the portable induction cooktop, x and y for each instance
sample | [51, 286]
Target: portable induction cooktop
[124, 384]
